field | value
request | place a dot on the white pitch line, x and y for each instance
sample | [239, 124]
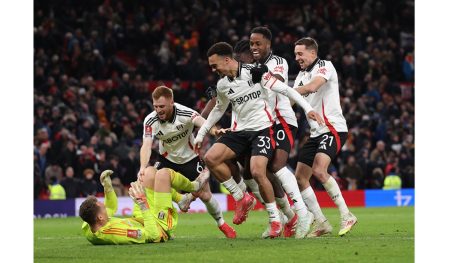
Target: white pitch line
[59, 238]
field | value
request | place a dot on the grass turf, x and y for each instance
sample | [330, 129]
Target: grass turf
[381, 235]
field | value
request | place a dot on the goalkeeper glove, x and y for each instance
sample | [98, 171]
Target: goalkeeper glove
[137, 193]
[257, 72]
[105, 180]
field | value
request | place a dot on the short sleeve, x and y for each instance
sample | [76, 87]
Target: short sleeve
[279, 66]
[185, 114]
[324, 70]
[148, 126]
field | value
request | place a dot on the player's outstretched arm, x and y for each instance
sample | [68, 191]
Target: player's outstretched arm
[145, 153]
[270, 82]
[111, 203]
[213, 118]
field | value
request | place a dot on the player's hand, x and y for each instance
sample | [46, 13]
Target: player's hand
[221, 131]
[137, 193]
[105, 180]
[198, 141]
[257, 72]
[315, 116]
[211, 92]
[141, 172]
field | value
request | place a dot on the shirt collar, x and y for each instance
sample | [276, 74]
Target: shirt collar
[268, 57]
[238, 73]
[310, 67]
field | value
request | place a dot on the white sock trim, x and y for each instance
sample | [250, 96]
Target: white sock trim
[234, 189]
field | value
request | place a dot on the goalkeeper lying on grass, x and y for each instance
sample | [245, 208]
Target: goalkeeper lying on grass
[154, 217]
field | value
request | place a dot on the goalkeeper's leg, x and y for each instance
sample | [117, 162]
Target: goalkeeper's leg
[180, 182]
[163, 193]
[176, 180]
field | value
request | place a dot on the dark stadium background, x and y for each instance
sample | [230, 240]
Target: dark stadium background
[96, 63]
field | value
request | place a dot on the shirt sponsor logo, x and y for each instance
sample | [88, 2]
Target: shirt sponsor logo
[177, 137]
[195, 114]
[245, 98]
[267, 76]
[278, 69]
[322, 71]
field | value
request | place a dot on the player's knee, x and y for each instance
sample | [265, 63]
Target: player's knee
[150, 171]
[210, 159]
[149, 177]
[163, 173]
[320, 173]
[258, 174]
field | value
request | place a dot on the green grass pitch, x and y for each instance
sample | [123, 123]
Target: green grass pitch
[381, 235]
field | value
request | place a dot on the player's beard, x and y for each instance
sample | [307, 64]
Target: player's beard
[220, 74]
[162, 115]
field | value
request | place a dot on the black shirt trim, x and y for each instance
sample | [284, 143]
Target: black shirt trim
[308, 69]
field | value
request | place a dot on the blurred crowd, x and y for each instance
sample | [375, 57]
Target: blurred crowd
[95, 63]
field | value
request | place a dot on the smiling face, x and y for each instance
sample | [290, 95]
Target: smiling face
[259, 46]
[305, 57]
[163, 107]
[220, 65]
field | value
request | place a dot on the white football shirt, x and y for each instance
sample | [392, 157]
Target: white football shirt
[280, 104]
[175, 136]
[250, 109]
[326, 101]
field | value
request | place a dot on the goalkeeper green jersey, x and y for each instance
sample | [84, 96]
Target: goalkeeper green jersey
[146, 227]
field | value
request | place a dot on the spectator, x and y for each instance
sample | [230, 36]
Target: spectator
[71, 184]
[88, 185]
[378, 155]
[375, 179]
[56, 190]
[353, 173]
[392, 181]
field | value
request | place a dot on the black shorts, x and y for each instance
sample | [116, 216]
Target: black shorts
[190, 169]
[326, 143]
[285, 136]
[259, 142]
